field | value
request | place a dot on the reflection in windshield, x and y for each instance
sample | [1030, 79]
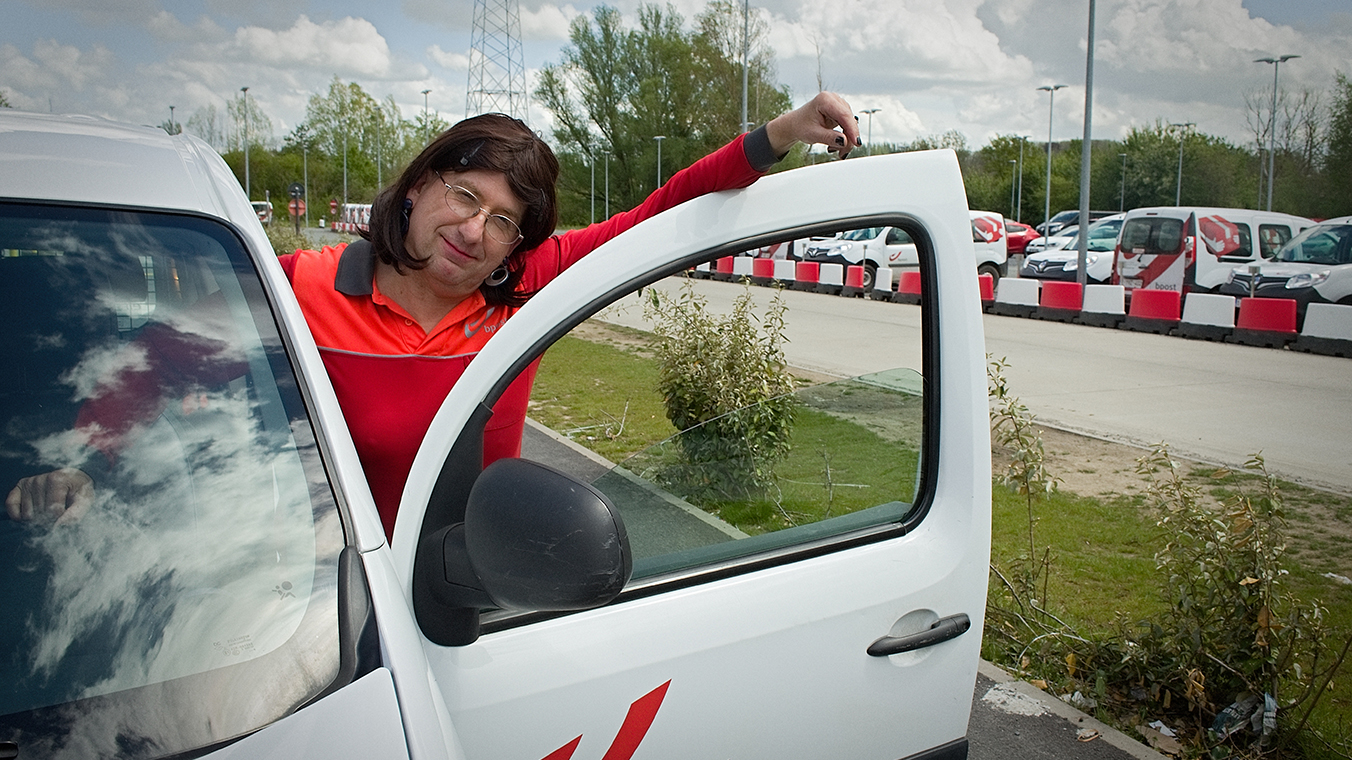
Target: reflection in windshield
[1330, 245]
[868, 233]
[193, 598]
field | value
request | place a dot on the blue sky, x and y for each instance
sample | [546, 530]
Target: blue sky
[930, 65]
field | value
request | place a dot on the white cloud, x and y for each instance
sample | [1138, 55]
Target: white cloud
[549, 22]
[348, 47]
[447, 59]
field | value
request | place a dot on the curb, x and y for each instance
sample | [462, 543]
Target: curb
[1056, 707]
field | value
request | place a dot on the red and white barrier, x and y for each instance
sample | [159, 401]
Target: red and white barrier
[1060, 301]
[1016, 297]
[723, 269]
[986, 284]
[806, 274]
[1154, 311]
[785, 271]
[831, 279]
[742, 267]
[882, 284]
[1327, 330]
[1104, 305]
[1207, 316]
[353, 218]
[908, 287]
[1266, 322]
[854, 282]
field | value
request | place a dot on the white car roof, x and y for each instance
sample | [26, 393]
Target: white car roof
[84, 159]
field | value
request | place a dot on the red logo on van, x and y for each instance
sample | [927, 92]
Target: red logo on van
[1220, 235]
[988, 229]
[636, 724]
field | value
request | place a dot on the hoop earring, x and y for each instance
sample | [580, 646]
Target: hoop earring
[403, 216]
[498, 276]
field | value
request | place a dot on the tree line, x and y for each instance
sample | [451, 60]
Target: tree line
[632, 104]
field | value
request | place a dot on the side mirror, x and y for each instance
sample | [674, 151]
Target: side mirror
[533, 539]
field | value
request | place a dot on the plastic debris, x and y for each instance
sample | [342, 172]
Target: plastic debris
[1158, 725]
[1238, 716]
[1087, 735]
[1343, 579]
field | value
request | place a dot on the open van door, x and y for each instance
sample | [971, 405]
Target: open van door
[795, 622]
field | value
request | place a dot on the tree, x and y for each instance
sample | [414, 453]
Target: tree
[208, 124]
[1337, 160]
[4, 102]
[617, 90]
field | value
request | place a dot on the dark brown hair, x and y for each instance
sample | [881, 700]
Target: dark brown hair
[491, 142]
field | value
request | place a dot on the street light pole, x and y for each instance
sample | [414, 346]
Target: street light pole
[244, 113]
[1018, 216]
[426, 136]
[1272, 128]
[746, 47]
[659, 139]
[870, 112]
[1051, 102]
[607, 184]
[1122, 204]
[1013, 183]
[591, 159]
[1178, 194]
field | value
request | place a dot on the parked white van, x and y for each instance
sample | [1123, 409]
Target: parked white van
[1189, 248]
[893, 247]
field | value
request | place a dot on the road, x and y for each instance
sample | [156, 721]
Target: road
[1213, 402]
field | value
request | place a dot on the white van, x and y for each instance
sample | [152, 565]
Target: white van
[228, 590]
[893, 247]
[1190, 248]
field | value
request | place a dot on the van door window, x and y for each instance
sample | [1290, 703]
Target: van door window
[1271, 237]
[700, 478]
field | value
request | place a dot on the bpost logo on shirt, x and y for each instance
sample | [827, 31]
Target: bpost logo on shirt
[486, 323]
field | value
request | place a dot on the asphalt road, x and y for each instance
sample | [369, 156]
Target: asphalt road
[1213, 402]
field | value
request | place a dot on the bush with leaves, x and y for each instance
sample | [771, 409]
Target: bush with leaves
[1235, 664]
[725, 383]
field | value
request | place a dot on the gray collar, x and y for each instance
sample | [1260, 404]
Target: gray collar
[356, 269]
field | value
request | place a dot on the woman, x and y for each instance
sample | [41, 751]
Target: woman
[455, 246]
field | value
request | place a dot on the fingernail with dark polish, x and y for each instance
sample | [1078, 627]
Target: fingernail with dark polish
[858, 142]
[840, 140]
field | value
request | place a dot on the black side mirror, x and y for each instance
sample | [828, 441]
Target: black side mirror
[533, 539]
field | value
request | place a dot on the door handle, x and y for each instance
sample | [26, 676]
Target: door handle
[942, 630]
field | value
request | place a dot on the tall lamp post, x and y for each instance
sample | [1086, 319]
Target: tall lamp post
[1272, 127]
[659, 139]
[425, 124]
[244, 114]
[746, 52]
[870, 112]
[1178, 194]
[1122, 203]
[1013, 183]
[1051, 101]
[1018, 206]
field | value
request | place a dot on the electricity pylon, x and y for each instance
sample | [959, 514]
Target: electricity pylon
[497, 68]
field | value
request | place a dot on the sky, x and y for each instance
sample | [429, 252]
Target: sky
[929, 66]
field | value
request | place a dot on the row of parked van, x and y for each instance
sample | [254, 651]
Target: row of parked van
[1240, 252]
[878, 248]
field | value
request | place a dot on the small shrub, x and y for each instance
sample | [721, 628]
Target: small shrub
[725, 383]
[285, 239]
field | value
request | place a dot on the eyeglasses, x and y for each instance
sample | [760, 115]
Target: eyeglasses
[466, 205]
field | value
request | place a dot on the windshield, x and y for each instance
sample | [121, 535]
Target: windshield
[868, 233]
[182, 590]
[1152, 234]
[1323, 244]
